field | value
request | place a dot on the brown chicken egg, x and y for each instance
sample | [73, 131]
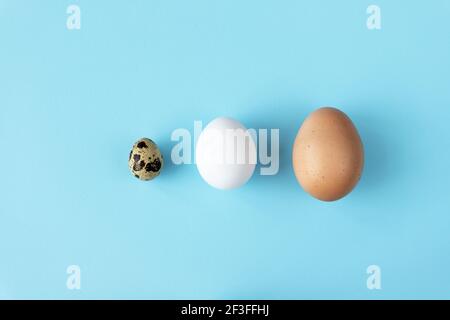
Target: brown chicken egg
[328, 155]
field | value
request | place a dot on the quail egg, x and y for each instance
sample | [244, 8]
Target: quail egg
[145, 160]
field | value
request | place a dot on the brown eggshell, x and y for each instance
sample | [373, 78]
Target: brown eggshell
[328, 155]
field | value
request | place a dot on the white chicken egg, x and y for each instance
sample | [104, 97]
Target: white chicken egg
[225, 154]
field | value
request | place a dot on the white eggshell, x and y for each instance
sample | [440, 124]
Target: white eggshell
[225, 154]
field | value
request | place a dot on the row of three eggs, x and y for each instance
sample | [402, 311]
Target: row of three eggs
[327, 155]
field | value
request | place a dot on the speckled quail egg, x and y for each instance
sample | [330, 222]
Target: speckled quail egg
[145, 160]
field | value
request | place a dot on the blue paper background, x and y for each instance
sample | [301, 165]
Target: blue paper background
[73, 102]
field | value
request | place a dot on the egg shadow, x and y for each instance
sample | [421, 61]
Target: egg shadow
[165, 145]
[381, 150]
[287, 117]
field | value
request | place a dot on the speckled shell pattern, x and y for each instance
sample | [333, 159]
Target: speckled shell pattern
[145, 160]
